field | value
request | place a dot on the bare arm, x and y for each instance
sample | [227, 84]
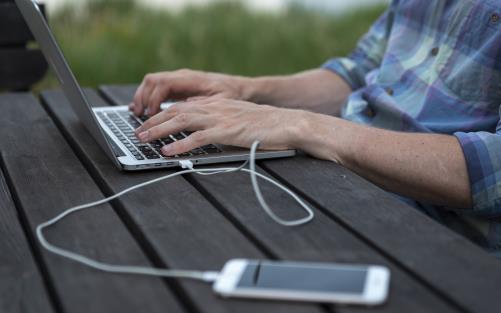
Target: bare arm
[317, 90]
[425, 167]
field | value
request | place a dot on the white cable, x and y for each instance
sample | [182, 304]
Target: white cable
[188, 165]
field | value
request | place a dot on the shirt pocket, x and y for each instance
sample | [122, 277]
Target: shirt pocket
[471, 55]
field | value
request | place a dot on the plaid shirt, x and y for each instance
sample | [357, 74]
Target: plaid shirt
[435, 66]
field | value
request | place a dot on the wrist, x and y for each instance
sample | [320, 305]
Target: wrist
[327, 137]
[258, 89]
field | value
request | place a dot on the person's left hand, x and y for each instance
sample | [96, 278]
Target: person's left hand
[223, 121]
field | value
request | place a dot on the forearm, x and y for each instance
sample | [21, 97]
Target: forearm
[426, 167]
[317, 90]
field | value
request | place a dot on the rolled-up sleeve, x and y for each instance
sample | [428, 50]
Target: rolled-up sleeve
[368, 54]
[482, 151]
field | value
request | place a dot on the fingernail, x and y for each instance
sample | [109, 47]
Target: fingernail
[131, 106]
[144, 136]
[167, 150]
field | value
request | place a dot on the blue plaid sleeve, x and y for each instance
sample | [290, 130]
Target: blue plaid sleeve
[482, 152]
[368, 54]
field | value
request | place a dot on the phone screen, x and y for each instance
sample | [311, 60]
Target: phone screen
[288, 276]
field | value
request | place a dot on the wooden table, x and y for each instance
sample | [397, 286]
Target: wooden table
[49, 163]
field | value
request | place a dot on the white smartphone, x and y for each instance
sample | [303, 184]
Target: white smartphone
[313, 282]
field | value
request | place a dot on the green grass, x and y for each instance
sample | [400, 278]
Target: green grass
[118, 41]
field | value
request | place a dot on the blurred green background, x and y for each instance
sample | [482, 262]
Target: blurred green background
[119, 41]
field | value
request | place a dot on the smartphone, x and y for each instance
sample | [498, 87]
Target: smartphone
[311, 282]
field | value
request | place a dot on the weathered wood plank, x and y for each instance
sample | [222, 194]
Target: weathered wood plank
[421, 246]
[322, 240]
[46, 178]
[442, 258]
[21, 68]
[21, 284]
[176, 223]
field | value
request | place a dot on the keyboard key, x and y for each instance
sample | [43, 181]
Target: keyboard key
[198, 152]
[145, 149]
[211, 149]
[179, 136]
[167, 140]
[156, 144]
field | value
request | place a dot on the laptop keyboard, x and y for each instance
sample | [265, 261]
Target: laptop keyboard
[123, 124]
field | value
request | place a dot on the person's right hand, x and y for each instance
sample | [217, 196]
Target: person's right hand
[183, 84]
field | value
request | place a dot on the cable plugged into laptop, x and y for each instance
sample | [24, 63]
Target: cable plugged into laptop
[188, 168]
[186, 164]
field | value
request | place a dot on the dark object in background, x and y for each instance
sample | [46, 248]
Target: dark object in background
[20, 65]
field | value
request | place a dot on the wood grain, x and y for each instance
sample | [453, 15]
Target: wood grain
[444, 261]
[21, 284]
[322, 240]
[46, 178]
[171, 219]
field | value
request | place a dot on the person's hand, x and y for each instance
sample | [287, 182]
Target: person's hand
[183, 84]
[223, 121]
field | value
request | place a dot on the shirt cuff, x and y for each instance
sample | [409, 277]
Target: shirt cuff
[483, 159]
[347, 69]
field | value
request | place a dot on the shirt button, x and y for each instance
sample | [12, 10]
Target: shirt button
[390, 91]
[495, 18]
[435, 51]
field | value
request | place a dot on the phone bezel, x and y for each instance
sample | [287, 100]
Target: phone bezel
[375, 287]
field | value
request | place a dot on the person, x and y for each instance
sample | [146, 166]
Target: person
[414, 109]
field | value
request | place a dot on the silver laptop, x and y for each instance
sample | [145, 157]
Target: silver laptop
[113, 127]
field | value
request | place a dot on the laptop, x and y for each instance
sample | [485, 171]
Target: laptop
[113, 127]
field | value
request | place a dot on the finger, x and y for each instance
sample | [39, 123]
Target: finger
[148, 88]
[195, 140]
[171, 112]
[156, 120]
[191, 99]
[183, 121]
[164, 116]
[138, 108]
[156, 98]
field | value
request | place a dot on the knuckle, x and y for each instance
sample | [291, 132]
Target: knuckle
[184, 71]
[172, 110]
[182, 119]
[156, 100]
[149, 78]
[155, 132]
[199, 138]
[180, 145]
[159, 131]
